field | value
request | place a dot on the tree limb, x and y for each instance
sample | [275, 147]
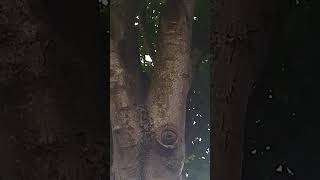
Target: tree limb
[173, 70]
[125, 95]
[170, 84]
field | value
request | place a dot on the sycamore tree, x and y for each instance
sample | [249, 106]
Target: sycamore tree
[152, 61]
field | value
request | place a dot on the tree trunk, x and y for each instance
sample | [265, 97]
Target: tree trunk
[52, 105]
[148, 122]
[240, 43]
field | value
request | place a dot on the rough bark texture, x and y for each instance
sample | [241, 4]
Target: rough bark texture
[166, 101]
[240, 43]
[148, 123]
[52, 111]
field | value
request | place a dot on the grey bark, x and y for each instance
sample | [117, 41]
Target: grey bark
[148, 122]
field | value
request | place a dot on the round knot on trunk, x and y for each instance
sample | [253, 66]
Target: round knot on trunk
[168, 137]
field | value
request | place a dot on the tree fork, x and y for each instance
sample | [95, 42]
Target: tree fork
[158, 131]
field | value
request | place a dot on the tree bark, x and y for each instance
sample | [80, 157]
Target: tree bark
[53, 122]
[240, 43]
[148, 122]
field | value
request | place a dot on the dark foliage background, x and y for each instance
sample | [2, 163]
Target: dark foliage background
[282, 123]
